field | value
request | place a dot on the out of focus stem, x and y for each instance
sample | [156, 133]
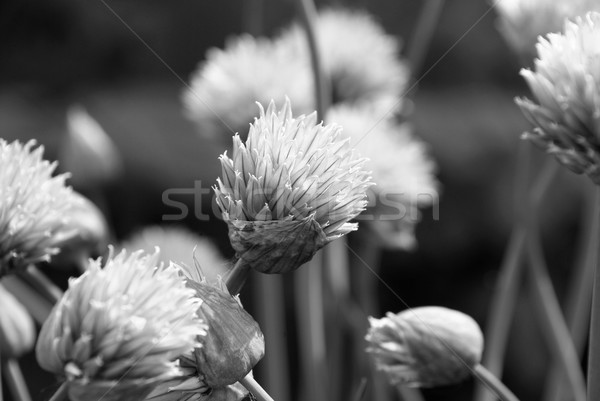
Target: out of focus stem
[15, 381]
[506, 291]
[421, 38]
[308, 16]
[61, 393]
[236, 277]
[493, 383]
[593, 389]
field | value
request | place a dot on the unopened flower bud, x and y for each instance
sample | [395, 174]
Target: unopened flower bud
[17, 330]
[88, 152]
[425, 347]
[234, 342]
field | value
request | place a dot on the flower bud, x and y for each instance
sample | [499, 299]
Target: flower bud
[425, 347]
[17, 330]
[234, 342]
[88, 152]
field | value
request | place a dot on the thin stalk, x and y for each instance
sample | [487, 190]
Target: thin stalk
[61, 394]
[365, 285]
[236, 277]
[579, 293]
[34, 277]
[493, 383]
[270, 313]
[308, 16]
[360, 391]
[309, 311]
[336, 293]
[593, 390]
[423, 33]
[552, 320]
[507, 287]
[15, 380]
[252, 385]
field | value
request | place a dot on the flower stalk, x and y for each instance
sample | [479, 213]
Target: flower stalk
[255, 388]
[492, 383]
[15, 381]
[593, 389]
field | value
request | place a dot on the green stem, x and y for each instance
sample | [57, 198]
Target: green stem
[579, 293]
[554, 325]
[308, 16]
[236, 277]
[34, 277]
[270, 313]
[507, 287]
[421, 38]
[61, 394]
[309, 311]
[252, 385]
[15, 380]
[493, 383]
[593, 390]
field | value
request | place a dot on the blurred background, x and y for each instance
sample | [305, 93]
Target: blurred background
[127, 61]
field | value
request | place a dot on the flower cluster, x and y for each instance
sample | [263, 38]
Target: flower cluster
[290, 189]
[118, 331]
[565, 83]
[34, 206]
[227, 84]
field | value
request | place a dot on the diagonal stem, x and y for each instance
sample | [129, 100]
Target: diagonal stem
[507, 286]
[579, 293]
[552, 320]
[493, 383]
[15, 380]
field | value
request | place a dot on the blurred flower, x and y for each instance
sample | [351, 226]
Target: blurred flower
[91, 237]
[565, 83]
[177, 244]
[34, 206]
[223, 91]
[88, 152]
[118, 331]
[400, 165]
[233, 345]
[359, 58]
[425, 347]
[17, 330]
[290, 190]
[522, 21]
